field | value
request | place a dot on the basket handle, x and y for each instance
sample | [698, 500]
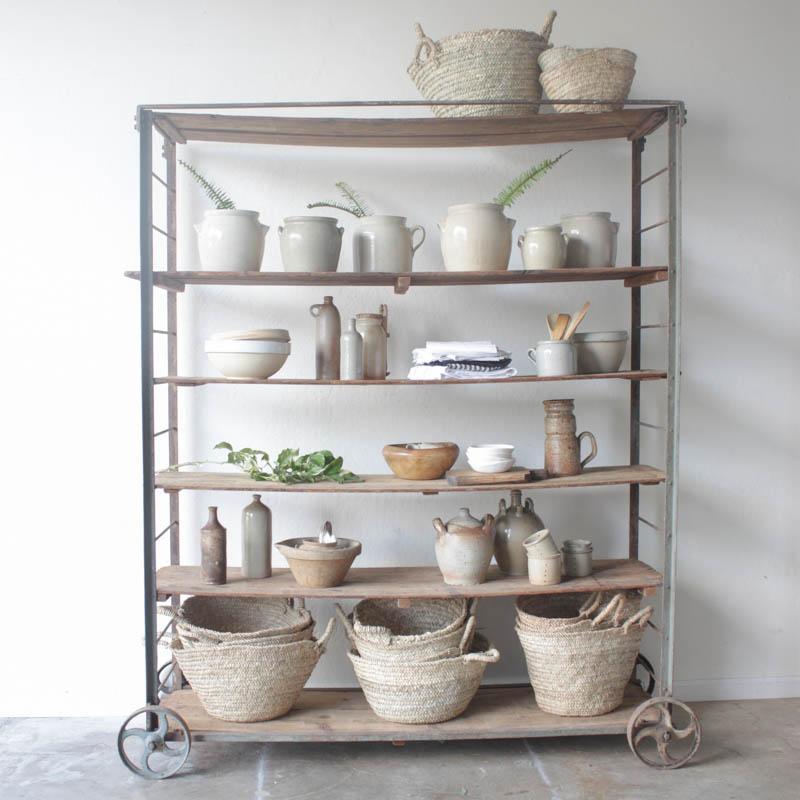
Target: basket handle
[613, 605]
[640, 618]
[491, 656]
[346, 624]
[170, 611]
[426, 44]
[323, 640]
[547, 28]
[472, 604]
[466, 638]
[590, 606]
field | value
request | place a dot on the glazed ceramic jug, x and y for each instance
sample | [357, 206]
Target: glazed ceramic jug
[561, 445]
[256, 540]
[544, 247]
[231, 240]
[213, 549]
[310, 244]
[329, 331]
[382, 243]
[513, 525]
[374, 330]
[464, 548]
[476, 236]
[591, 239]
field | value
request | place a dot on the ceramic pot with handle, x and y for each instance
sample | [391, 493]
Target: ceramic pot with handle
[374, 330]
[310, 244]
[475, 237]
[544, 247]
[513, 525]
[591, 239]
[553, 357]
[231, 240]
[383, 243]
[561, 445]
[464, 548]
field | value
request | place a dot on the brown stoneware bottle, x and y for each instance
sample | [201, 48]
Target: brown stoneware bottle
[213, 549]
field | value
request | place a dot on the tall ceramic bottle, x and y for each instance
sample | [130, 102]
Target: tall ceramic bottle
[213, 549]
[329, 331]
[374, 329]
[513, 525]
[256, 540]
[352, 353]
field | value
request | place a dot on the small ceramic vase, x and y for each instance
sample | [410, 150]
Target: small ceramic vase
[310, 244]
[256, 540]
[561, 445]
[545, 571]
[513, 525]
[476, 236]
[464, 548]
[352, 353]
[231, 240]
[213, 549]
[544, 247]
[329, 331]
[382, 243]
[374, 330]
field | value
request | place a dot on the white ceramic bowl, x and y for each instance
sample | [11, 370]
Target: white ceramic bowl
[503, 465]
[600, 351]
[270, 334]
[247, 359]
[254, 346]
[490, 451]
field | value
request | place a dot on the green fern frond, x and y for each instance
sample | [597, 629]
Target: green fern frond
[219, 198]
[349, 193]
[511, 193]
[356, 212]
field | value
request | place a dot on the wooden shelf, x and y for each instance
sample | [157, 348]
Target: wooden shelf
[342, 715]
[409, 131]
[629, 375]
[414, 582]
[178, 280]
[172, 481]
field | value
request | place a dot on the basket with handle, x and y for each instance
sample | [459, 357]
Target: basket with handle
[491, 64]
[384, 622]
[548, 612]
[424, 692]
[250, 681]
[582, 669]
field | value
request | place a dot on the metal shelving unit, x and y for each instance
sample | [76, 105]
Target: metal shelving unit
[172, 715]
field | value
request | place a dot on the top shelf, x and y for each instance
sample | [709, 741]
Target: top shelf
[630, 124]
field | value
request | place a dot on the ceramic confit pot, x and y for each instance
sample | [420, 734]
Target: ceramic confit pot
[476, 237]
[231, 240]
[464, 548]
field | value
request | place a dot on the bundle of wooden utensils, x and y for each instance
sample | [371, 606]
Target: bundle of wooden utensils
[556, 356]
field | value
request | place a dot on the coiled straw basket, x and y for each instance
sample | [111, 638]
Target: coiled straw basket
[493, 64]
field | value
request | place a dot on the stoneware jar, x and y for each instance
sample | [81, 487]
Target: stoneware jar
[256, 540]
[213, 549]
[545, 571]
[329, 331]
[374, 330]
[577, 557]
[540, 545]
[310, 244]
[561, 445]
[464, 548]
[513, 525]
[591, 239]
[383, 243]
[544, 247]
[231, 240]
[554, 357]
[476, 236]
[352, 348]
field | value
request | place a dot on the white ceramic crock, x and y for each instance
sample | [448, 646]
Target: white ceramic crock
[310, 244]
[543, 247]
[553, 357]
[383, 243]
[476, 236]
[592, 239]
[231, 240]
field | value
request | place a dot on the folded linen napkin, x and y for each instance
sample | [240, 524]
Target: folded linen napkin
[424, 355]
[433, 373]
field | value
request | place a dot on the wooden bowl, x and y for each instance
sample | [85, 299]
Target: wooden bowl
[421, 461]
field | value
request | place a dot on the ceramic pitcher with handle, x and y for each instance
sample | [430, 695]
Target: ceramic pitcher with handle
[561, 445]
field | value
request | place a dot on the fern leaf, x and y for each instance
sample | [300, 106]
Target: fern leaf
[514, 190]
[349, 193]
[339, 206]
[220, 199]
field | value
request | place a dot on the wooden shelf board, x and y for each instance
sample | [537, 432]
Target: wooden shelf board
[410, 131]
[239, 482]
[342, 715]
[414, 582]
[178, 280]
[630, 375]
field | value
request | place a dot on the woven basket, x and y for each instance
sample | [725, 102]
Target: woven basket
[421, 647]
[494, 64]
[214, 620]
[556, 56]
[251, 681]
[589, 76]
[582, 669]
[424, 692]
[385, 622]
[548, 612]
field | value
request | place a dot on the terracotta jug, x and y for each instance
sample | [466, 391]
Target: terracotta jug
[513, 525]
[561, 446]
[213, 549]
[464, 548]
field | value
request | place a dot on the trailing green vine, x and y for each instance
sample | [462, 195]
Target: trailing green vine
[514, 190]
[354, 204]
[220, 199]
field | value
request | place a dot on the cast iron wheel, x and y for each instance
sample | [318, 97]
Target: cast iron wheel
[642, 662]
[157, 759]
[653, 720]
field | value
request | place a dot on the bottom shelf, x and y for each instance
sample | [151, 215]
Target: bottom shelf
[342, 715]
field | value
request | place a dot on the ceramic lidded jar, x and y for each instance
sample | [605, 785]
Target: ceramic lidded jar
[310, 244]
[544, 247]
[383, 243]
[475, 237]
[231, 240]
[513, 525]
[464, 548]
[591, 239]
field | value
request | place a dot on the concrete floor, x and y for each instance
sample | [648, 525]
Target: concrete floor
[750, 749]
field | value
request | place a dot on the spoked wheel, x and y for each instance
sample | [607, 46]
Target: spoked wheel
[675, 742]
[147, 753]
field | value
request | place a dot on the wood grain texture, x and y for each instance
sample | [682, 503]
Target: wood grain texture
[625, 375]
[413, 582]
[239, 482]
[469, 477]
[410, 131]
[177, 281]
[342, 715]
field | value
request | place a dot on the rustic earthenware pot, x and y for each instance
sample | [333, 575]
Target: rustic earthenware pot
[231, 240]
[383, 243]
[319, 565]
[464, 548]
[476, 236]
[213, 549]
[544, 247]
[421, 461]
[592, 239]
[310, 244]
[513, 525]
[561, 445]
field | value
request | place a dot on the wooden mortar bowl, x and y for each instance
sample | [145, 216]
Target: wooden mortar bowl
[421, 461]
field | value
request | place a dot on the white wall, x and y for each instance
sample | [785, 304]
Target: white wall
[72, 76]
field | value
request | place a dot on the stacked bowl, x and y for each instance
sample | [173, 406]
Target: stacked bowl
[255, 354]
[490, 458]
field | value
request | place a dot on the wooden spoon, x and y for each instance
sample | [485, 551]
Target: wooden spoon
[576, 320]
[562, 322]
[551, 323]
